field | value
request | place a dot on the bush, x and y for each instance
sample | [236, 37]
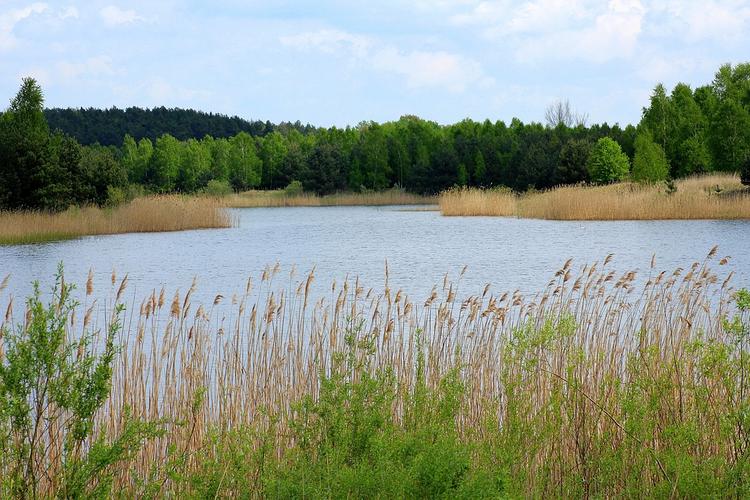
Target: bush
[293, 189]
[607, 163]
[218, 188]
[115, 196]
[650, 163]
[52, 384]
[349, 445]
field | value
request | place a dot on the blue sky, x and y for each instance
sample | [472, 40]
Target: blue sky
[340, 62]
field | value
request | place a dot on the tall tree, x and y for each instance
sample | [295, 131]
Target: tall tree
[244, 164]
[25, 159]
[165, 163]
[730, 135]
[571, 164]
[650, 163]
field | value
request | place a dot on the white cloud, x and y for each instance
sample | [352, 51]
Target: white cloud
[706, 19]
[8, 21]
[114, 16]
[503, 17]
[430, 69]
[92, 67]
[161, 91]
[557, 29]
[69, 12]
[329, 41]
[419, 67]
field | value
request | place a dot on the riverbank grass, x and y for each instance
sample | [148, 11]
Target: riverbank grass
[705, 197]
[147, 214]
[284, 198]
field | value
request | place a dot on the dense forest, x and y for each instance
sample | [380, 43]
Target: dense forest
[56, 158]
[108, 126]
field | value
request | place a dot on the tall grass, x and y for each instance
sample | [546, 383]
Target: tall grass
[708, 197]
[604, 384]
[148, 214]
[280, 198]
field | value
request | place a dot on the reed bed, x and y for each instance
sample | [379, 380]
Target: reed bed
[148, 214]
[707, 197]
[478, 202]
[605, 384]
[255, 199]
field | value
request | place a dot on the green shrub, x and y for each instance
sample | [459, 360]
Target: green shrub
[348, 444]
[115, 196]
[293, 189]
[649, 163]
[135, 191]
[218, 188]
[607, 163]
[51, 387]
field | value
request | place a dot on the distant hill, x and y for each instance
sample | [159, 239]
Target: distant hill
[109, 126]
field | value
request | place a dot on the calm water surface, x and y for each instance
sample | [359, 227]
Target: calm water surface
[420, 247]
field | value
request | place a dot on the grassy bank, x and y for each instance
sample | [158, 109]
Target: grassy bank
[148, 214]
[281, 198]
[602, 385]
[706, 197]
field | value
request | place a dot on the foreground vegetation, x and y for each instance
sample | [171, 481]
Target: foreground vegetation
[603, 385]
[705, 197]
[142, 215]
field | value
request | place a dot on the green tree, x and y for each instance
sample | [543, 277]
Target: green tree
[195, 166]
[272, 150]
[462, 176]
[607, 163]
[480, 169]
[136, 158]
[244, 164]
[659, 117]
[165, 163]
[371, 153]
[730, 135]
[572, 162]
[733, 83]
[25, 159]
[693, 157]
[220, 151]
[100, 171]
[650, 163]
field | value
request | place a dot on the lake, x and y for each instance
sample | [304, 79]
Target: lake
[420, 247]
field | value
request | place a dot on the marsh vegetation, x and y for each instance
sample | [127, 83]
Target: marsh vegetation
[146, 214]
[598, 386]
[702, 197]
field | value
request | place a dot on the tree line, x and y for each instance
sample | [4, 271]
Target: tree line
[681, 133]
[108, 126]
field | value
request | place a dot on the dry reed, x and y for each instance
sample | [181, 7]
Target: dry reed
[149, 214]
[707, 197]
[254, 199]
[271, 350]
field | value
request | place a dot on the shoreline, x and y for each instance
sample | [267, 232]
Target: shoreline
[710, 197]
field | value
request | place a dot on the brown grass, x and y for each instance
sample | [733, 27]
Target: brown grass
[478, 202]
[253, 199]
[706, 197]
[149, 214]
[271, 350]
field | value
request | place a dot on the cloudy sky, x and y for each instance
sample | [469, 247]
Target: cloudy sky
[338, 62]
